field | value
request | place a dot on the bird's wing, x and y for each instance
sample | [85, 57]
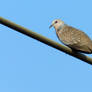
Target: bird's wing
[69, 35]
[83, 48]
[75, 39]
[80, 41]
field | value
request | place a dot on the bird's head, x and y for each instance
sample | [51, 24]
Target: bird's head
[56, 23]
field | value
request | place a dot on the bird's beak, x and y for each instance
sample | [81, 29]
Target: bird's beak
[51, 26]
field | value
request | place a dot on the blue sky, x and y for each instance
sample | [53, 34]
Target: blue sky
[27, 65]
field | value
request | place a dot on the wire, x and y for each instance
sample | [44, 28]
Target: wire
[45, 40]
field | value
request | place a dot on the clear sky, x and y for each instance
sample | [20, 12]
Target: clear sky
[27, 65]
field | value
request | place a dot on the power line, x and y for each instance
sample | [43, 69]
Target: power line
[45, 40]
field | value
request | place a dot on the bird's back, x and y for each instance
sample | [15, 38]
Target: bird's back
[75, 39]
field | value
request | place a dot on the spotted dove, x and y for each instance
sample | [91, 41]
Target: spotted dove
[72, 37]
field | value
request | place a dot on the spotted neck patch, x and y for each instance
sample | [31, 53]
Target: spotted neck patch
[60, 27]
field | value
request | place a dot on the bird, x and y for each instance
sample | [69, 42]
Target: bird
[72, 37]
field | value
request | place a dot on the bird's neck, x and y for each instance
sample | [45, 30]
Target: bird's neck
[60, 27]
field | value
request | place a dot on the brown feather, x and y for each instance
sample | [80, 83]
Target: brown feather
[75, 39]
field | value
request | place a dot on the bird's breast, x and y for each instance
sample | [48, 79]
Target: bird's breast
[65, 36]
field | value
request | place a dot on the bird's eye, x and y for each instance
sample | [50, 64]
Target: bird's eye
[56, 21]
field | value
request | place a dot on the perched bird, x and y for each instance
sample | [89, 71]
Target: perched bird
[72, 37]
